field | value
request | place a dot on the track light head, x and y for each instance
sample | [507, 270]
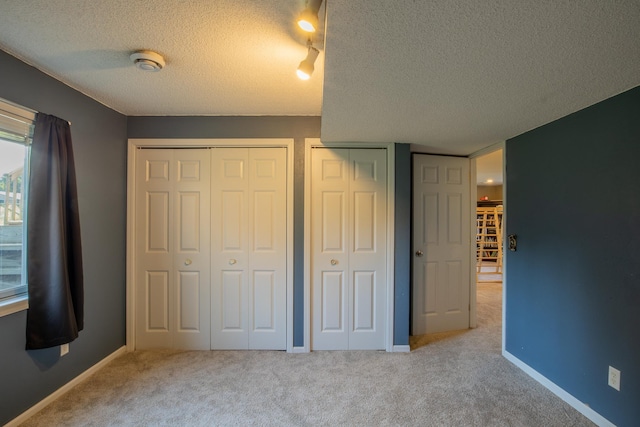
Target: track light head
[305, 69]
[308, 20]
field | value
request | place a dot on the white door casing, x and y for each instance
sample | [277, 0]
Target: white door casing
[348, 248]
[172, 248]
[248, 257]
[441, 244]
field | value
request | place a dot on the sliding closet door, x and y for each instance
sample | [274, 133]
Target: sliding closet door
[248, 257]
[172, 250]
[348, 245]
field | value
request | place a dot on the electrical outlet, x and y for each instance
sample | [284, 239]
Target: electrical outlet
[614, 378]
[64, 349]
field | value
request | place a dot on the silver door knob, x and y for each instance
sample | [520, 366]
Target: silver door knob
[419, 253]
[187, 261]
[334, 262]
[232, 261]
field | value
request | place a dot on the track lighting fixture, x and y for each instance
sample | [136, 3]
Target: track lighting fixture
[308, 19]
[305, 69]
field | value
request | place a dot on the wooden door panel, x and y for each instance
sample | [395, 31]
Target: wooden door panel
[189, 301]
[157, 301]
[263, 296]
[172, 248]
[364, 292]
[441, 240]
[348, 216]
[189, 231]
[250, 201]
[332, 301]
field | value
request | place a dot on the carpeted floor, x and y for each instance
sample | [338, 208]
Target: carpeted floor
[452, 379]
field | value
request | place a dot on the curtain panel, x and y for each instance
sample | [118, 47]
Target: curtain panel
[54, 252]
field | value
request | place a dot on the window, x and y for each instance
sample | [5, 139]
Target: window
[16, 130]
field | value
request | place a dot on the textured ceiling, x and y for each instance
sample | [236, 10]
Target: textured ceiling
[458, 75]
[453, 75]
[224, 57]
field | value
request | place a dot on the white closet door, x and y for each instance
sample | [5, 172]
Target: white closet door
[248, 257]
[368, 249]
[329, 250]
[348, 245]
[172, 248]
[267, 249]
[441, 239]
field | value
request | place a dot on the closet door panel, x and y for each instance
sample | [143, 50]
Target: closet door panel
[172, 248]
[267, 227]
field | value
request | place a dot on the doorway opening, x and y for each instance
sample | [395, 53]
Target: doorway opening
[490, 223]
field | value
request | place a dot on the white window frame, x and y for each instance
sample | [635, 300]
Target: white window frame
[20, 120]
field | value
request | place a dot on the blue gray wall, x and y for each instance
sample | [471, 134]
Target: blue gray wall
[573, 286]
[402, 242]
[99, 142]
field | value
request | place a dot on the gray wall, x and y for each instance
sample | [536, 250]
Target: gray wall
[99, 143]
[573, 285]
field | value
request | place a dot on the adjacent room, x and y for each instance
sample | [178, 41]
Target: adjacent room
[316, 212]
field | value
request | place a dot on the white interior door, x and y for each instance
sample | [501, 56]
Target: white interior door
[248, 257]
[441, 244]
[172, 250]
[348, 245]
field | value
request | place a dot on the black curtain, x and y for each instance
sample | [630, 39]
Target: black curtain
[54, 253]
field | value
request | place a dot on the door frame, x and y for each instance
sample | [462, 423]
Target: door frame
[136, 143]
[310, 143]
[474, 196]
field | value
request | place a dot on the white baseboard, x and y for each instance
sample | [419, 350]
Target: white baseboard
[299, 350]
[401, 349]
[65, 388]
[561, 393]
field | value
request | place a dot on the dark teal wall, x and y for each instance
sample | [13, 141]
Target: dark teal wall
[573, 286]
[99, 142]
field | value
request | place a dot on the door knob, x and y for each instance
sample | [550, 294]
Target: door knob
[187, 261]
[419, 253]
[334, 262]
[232, 261]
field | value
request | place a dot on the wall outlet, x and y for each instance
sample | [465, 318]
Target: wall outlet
[614, 378]
[64, 349]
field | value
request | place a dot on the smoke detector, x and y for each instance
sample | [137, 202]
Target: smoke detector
[147, 60]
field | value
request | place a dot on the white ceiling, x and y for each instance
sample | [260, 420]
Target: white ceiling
[453, 75]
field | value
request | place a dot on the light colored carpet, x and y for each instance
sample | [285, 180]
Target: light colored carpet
[454, 379]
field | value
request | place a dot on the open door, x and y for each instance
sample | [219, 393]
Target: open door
[441, 244]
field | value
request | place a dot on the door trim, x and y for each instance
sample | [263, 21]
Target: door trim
[390, 148]
[133, 145]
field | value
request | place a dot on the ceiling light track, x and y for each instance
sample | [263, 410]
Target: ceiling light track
[308, 21]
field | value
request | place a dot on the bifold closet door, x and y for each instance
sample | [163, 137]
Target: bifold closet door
[248, 257]
[348, 245]
[172, 248]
